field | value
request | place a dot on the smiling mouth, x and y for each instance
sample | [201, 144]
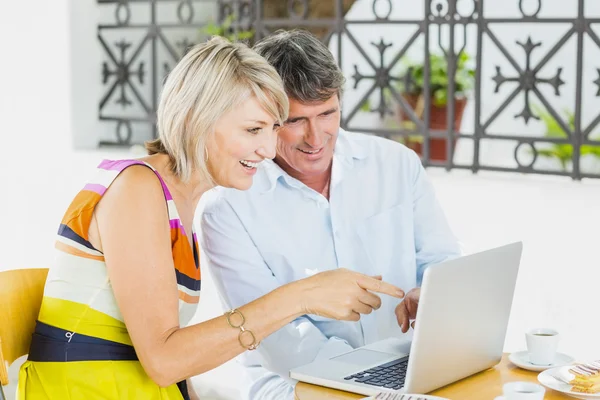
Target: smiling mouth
[249, 164]
[311, 151]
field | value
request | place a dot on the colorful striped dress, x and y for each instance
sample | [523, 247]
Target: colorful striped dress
[81, 348]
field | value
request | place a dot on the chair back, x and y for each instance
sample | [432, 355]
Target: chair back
[21, 292]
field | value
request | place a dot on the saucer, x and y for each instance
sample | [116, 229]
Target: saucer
[521, 360]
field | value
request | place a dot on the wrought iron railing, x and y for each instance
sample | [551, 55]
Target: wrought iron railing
[528, 59]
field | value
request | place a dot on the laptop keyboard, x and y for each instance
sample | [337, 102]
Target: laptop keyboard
[390, 375]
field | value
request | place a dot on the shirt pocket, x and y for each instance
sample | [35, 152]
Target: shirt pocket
[388, 240]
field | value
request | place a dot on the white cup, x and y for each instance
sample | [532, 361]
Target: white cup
[523, 391]
[541, 345]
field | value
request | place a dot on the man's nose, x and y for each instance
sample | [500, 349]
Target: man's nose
[313, 136]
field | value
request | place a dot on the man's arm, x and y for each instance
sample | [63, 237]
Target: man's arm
[434, 240]
[241, 275]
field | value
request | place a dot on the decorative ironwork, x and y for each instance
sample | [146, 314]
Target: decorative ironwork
[447, 27]
[382, 80]
[528, 80]
[535, 13]
[597, 82]
[138, 55]
[123, 74]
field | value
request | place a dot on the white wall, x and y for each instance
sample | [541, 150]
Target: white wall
[558, 221]
[51, 65]
[35, 71]
[85, 61]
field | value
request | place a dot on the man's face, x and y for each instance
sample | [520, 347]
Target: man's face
[306, 140]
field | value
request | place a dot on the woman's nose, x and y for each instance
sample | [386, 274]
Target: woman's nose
[267, 149]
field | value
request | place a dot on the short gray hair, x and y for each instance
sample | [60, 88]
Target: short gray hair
[210, 80]
[306, 66]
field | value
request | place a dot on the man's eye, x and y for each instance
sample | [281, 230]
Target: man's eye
[292, 121]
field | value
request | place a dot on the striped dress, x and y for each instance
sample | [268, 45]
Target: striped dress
[81, 348]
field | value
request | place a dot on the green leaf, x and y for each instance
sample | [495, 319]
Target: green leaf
[590, 150]
[244, 35]
[415, 139]
[550, 153]
[439, 80]
[553, 128]
[224, 29]
[570, 119]
[440, 97]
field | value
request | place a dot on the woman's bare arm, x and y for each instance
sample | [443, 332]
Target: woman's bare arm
[134, 232]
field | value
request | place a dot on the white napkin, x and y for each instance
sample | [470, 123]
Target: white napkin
[402, 396]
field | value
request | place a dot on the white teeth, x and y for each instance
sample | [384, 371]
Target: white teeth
[249, 164]
[310, 152]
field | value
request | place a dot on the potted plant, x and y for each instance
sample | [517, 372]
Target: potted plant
[438, 93]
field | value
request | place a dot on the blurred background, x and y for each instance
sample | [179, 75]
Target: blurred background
[500, 99]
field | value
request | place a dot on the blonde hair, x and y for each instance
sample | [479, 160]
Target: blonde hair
[209, 81]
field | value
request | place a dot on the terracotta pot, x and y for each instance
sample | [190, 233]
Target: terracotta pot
[438, 117]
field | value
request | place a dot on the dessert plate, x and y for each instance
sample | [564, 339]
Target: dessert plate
[551, 378]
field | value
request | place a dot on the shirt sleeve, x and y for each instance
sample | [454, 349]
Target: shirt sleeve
[434, 240]
[241, 276]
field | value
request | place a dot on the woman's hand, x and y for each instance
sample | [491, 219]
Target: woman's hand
[343, 294]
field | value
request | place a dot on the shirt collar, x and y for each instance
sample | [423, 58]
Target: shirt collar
[347, 150]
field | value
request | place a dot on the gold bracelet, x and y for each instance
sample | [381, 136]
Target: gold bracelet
[243, 331]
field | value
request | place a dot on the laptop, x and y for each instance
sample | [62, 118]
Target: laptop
[460, 330]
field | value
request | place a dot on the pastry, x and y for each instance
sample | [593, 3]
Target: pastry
[587, 377]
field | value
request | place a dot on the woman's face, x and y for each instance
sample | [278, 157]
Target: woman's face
[243, 138]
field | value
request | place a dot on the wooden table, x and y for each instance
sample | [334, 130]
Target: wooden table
[484, 385]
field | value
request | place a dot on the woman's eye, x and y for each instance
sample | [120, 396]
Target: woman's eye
[255, 131]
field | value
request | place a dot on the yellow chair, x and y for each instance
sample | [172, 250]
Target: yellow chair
[21, 292]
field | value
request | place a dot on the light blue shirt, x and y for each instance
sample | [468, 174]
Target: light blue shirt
[382, 219]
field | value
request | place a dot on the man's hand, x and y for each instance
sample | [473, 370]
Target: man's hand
[407, 309]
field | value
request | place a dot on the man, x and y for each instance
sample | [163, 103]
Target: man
[329, 199]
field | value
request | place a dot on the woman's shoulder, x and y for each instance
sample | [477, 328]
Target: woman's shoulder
[116, 180]
[131, 181]
[123, 186]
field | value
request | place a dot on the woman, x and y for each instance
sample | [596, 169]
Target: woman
[127, 275]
